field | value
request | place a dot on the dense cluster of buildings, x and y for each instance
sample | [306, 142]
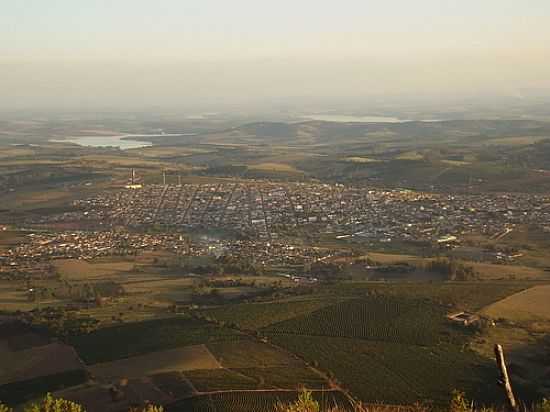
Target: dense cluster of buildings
[33, 256]
[270, 210]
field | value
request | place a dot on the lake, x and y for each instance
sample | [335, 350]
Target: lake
[124, 142]
[349, 118]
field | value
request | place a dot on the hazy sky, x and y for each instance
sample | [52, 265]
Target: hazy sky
[93, 53]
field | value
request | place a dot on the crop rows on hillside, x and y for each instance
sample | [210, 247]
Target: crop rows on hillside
[255, 378]
[396, 373]
[374, 318]
[251, 401]
[253, 316]
[470, 296]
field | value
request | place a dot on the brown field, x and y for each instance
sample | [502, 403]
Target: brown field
[412, 155]
[274, 167]
[180, 359]
[133, 309]
[356, 159]
[13, 296]
[518, 140]
[155, 151]
[455, 162]
[106, 161]
[75, 269]
[486, 271]
[388, 258]
[36, 362]
[10, 238]
[170, 289]
[531, 305]
[32, 197]
[11, 152]
[7, 163]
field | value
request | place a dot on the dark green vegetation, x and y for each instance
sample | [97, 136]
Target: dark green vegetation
[397, 373]
[455, 295]
[19, 392]
[388, 342]
[281, 377]
[378, 318]
[252, 401]
[257, 315]
[123, 341]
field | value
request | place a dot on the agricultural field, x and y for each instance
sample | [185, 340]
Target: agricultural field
[247, 353]
[180, 359]
[98, 397]
[35, 362]
[14, 296]
[257, 401]
[9, 238]
[470, 296]
[275, 167]
[377, 318]
[162, 288]
[251, 378]
[19, 392]
[396, 373]
[138, 338]
[528, 306]
[209, 380]
[517, 140]
[253, 316]
[78, 269]
[385, 342]
[27, 369]
[484, 271]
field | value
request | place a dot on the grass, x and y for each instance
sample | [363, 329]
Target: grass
[275, 167]
[132, 339]
[75, 269]
[527, 306]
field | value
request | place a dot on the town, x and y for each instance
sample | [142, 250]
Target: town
[269, 211]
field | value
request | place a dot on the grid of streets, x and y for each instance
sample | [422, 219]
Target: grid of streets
[270, 210]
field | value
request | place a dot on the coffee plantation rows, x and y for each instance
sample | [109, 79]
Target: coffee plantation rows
[396, 373]
[257, 401]
[381, 318]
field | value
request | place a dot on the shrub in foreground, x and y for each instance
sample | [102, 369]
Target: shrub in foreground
[51, 404]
